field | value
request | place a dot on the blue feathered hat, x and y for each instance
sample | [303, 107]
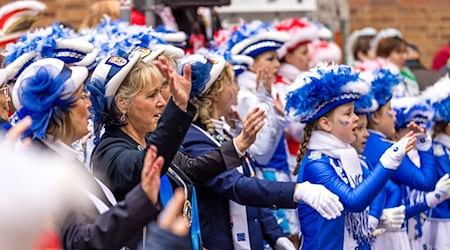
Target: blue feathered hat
[45, 90]
[54, 41]
[366, 103]
[252, 39]
[411, 109]
[438, 96]
[382, 83]
[205, 71]
[322, 89]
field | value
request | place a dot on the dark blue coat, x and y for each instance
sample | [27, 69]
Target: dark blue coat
[214, 198]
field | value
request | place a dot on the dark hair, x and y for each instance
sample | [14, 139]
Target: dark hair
[390, 44]
[361, 44]
[438, 127]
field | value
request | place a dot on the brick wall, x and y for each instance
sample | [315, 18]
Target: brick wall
[422, 22]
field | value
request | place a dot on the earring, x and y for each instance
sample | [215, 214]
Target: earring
[122, 118]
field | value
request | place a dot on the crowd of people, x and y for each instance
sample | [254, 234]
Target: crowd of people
[122, 139]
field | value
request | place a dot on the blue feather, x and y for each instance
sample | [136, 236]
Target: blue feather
[99, 108]
[40, 99]
[383, 84]
[319, 90]
[200, 76]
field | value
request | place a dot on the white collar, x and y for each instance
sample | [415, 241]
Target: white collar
[376, 132]
[289, 71]
[218, 125]
[67, 152]
[247, 80]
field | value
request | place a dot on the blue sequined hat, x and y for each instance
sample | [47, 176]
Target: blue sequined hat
[411, 109]
[205, 71]
[322, 89]
[45, 90]
[438, 96]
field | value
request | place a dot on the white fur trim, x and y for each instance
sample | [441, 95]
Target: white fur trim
[298, 35]
[89, 59]
[153, 55]
[17, 5]
[242, 59]
[359, 87]
[438, 91]
[13, 68]
[3, 76]
[177, 37]
[77, 44]
[324, 51]
[170, 50]
[268, 35]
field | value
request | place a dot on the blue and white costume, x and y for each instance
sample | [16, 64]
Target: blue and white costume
[437, 224]
[333, 163]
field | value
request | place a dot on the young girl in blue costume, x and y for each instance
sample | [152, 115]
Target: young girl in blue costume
[381, 124]
[214, 92]
[324, 101]
[437, 224]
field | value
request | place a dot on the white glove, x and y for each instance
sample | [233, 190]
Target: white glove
[318, 197]
[441, 192]
[393, 218]
[283, 243]
[373, 226]
[393, 156]
[423, 142]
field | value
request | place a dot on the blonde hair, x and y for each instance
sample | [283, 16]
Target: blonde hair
[98, 10]
[204, 102]
[140, 76]
[61, 126]
[303, 149]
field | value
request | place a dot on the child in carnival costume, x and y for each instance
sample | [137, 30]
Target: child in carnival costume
[381, 125]
[324, 101]
[408, 110]
[253, 47]
[233, 197]
[437, 224]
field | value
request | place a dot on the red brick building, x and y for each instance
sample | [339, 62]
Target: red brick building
[423, 22]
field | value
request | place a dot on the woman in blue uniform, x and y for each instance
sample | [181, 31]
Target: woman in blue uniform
[324, 101]
[381, 124]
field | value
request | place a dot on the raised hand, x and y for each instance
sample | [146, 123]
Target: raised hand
[180, 86]
[253, 123]
[15, 132]
[393, 156]
[264, 78]
[278, 105]
[151, 172]
[318, 197]
[233, 119]
[170, 218]
[424, 140]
